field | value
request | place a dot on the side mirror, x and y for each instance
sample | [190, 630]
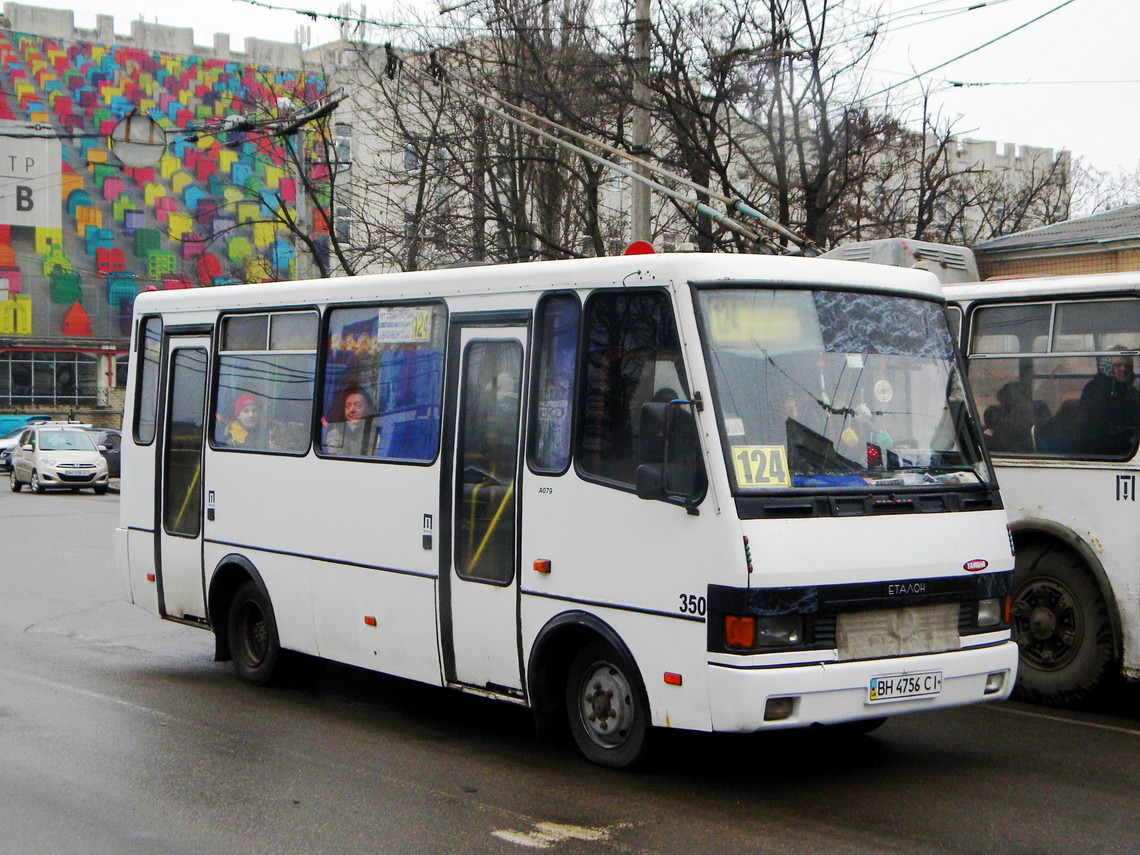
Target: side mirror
[28, 447]
[671, 468]
[101, 448]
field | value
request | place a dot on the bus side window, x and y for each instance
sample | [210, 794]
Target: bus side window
[264, 396]
[556, 348]
[633, 355]
[146, 400]
[388, 360]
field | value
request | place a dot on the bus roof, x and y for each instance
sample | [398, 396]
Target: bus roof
[1044, 286]
[644, 270]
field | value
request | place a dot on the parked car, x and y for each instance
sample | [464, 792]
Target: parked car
[109, 442]
[50, 456]
[8, 441]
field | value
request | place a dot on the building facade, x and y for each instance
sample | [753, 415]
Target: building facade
[81, 233]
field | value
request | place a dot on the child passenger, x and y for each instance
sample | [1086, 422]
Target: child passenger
[248, 428]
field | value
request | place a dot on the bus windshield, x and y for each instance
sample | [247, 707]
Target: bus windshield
[837, 389]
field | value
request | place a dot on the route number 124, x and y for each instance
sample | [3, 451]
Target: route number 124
[761, 466]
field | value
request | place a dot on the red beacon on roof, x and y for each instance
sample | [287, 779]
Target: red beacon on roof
[639, 247]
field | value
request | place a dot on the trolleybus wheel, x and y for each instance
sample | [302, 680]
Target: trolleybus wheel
[606, 707]
[254, 644]
[1061, 625]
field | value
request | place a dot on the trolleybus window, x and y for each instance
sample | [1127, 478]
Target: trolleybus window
[836, 389]
[383, 382]
[266, 367]
[1057, 379]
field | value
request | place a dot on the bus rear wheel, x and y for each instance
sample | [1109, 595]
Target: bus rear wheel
[252, 631]
[1061, 625]
[606, 707]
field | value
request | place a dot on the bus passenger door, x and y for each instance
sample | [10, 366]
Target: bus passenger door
[179, 524]
[479, 591]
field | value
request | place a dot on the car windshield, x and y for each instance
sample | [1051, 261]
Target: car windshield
[65, 440]
[837, 389]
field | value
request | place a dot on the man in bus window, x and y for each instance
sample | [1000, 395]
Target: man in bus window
[358, 434]
[1109, 408]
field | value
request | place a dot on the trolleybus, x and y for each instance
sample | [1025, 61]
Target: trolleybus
[1051, 365]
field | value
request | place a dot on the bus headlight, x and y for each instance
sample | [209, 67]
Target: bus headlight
[990, 612]
[779, 630]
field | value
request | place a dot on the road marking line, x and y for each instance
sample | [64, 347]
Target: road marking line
[547, 834]
[1028, 714]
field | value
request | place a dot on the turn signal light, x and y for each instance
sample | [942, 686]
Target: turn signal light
[370, 620]
[739, 631]
[672, 679]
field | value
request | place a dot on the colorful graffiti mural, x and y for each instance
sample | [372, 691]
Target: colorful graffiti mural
[201, 216]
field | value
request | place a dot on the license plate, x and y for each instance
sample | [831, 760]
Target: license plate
[903, 687]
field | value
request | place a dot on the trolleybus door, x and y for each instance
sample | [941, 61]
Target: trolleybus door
[179, 524]
[480, 597]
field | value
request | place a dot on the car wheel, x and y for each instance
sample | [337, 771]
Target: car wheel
[607, 707]
[99, 491]
[1061, 626]
[254, 643]
[35, 484]
[15, 483]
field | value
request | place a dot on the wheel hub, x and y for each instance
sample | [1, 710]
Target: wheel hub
[1047, 623]
[607, 706]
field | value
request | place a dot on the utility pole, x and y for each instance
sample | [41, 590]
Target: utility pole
[640, 227]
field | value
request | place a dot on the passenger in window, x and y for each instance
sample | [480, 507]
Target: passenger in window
[248, 429]
[358, 434]
[1108, 408]
[1012, 430]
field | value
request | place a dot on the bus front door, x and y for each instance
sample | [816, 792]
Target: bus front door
[179, 524]
[479, 596]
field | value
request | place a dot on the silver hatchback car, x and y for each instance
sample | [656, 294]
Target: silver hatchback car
[53, 457]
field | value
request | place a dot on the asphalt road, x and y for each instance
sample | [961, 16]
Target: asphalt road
[119, 734]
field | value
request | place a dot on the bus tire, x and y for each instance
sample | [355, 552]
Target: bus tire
[607, 707]
[1061, 626]
[254, 644]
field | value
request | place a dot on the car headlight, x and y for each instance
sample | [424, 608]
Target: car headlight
[47, 461]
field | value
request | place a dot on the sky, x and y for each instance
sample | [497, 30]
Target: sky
[1072, 78]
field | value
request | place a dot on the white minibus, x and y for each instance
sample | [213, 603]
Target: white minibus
[711, 492]
[1051, 365]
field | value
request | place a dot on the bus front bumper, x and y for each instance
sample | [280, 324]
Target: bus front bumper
[748, 699]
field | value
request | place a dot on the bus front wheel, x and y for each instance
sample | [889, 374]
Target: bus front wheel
[254, 644]
[606, 706]
[1061, 625]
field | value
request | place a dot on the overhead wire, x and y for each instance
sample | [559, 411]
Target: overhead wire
[967, 53]
[735, 204]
